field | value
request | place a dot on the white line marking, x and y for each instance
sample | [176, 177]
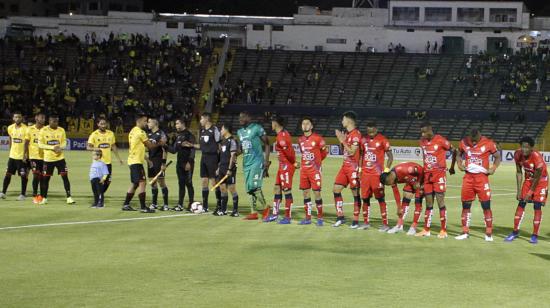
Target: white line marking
[70, 223]
[94, 221]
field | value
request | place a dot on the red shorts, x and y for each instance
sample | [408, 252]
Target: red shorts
[540, 193]
[410, 189]
[347, 175]
[284, 176]
[310, 179]
[475, 184]
[370, 184]
[435, 181]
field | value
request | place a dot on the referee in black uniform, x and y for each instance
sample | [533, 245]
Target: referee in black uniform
[228, 167]
[185, 162]
[209, 139]
[157, 162]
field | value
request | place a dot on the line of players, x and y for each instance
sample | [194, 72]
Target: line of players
[39, 148]
[363, 169]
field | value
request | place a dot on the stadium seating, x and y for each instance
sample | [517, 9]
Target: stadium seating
[94, 74]
[392, 84]
[384, 81]
[377, 79]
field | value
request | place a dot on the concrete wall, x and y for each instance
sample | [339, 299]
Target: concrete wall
[294, 36]
[116, 22]
[306, 37]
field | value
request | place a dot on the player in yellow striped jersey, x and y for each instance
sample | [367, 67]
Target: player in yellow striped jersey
[17, 161]
[53, 140]
[104, 139]
[35, 154]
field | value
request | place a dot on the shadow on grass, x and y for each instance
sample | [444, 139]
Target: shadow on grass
[544, 256]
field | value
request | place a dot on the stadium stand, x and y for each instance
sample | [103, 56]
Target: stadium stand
[455, 92]
[129, 73]
[389, 79]
[115, 78]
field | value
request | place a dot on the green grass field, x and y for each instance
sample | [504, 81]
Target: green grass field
[188, 260]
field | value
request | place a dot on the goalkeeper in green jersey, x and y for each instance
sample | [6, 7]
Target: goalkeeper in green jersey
[255, 148]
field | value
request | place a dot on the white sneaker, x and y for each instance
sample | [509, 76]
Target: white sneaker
[21, 198]
[395, 229]
[365, 227]
[488, 238]
[338, 223]
[2, 195]
[354, 226]
[412, 231]
[384, 228]
[463, 236]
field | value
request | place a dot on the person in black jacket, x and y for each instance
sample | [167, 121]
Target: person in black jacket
[227, 171]
[183, 147]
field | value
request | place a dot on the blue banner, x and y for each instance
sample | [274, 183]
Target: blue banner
[77, 144]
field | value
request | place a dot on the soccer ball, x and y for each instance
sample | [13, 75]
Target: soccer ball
[196, 207]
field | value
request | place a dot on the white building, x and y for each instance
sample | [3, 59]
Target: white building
[462, 26]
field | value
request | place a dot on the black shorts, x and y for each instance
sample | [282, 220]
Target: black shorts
[184, 177]
[16, 166]
[209, 165]
[49, 167]
[231, 180]
[155, 168]
[37, 165]
[137, 173]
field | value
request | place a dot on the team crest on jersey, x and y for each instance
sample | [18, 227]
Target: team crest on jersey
[532, 165]
[483, 149]
[435, 147]
[206, 138]
[313, 143]
[223, 148]
[377, 144]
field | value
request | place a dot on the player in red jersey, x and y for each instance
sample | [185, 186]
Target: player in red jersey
[434, 150]
[412, 174]
[374, 148]
[534, 189]
[287, 165]
[472, 158]
[348, 174]
[314, 151]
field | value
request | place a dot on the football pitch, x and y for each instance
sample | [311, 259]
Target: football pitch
[63, 255]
